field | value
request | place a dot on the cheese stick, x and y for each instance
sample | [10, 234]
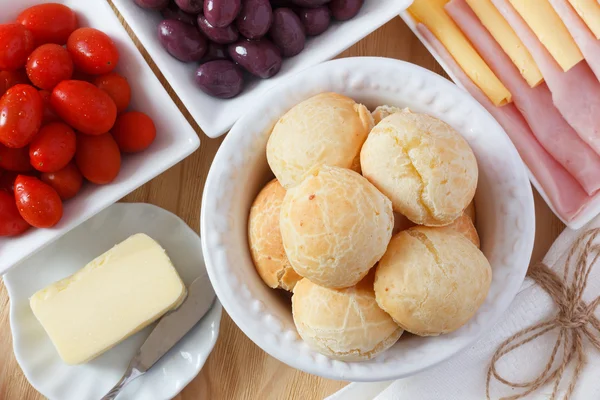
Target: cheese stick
[507, 39]
[550, 30]
[432, 14]
[589, 11]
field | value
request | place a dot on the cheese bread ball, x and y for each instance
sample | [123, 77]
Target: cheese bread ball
[382, 112]
[470, 211]
[335, 226]
[344, 324]
[265, 242]
[423, 165]
[326, 129]
[431, 280]
[464, 225]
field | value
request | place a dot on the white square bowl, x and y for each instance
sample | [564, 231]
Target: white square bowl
[175, 138]
[216, 116]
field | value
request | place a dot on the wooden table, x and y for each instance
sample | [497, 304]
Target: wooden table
[237, 368]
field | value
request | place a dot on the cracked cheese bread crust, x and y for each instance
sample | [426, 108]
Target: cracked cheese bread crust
[423, 165]
[326, 129]
[344, 324]
[464, 226]
[431, 280]
[264, 238]
[335, 226]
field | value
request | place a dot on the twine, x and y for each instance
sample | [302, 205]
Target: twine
[574, 321]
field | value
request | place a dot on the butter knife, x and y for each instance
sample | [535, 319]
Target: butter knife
[168, 332]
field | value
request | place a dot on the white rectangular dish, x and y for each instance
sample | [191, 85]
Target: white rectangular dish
[175, 138]
[216, 116]
[588, 212]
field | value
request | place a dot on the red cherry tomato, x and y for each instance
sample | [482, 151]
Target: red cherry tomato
[14, 159]
[98, 158]
[21, 110]
[37, 202]
[48, 115]
[48, 65]
[134, 131]
[49, 23]
[67, 181]
[52, 148]
[83, 106]
[11, 222]
[117, 88]
[7, 181]
[93, 52]
[9, 79]
[16, 42]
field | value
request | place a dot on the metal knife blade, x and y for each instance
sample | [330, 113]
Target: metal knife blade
[174, 325]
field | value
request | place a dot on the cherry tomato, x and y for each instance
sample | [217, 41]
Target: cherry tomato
[98, 158]
[117, 88]
[67, 181]
[37, 202]
[7, 181]
[21, 110]
[52, 148]
[49, 23]
[133, 131]
[9, 79]
[83, 106]
[16, 43]
[48, 115]
[11, 222]
[48, 65]
[14, 159]
[93, 52]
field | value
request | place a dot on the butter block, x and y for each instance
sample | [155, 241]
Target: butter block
[550, 30]
[589, 11]
[431, 13]
[501, 31]
[113, 297]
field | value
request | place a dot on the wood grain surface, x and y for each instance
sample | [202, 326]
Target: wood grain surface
[237, 368]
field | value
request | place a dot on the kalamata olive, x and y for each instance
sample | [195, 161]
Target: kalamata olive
[254, 20]
[310, 3]
[215, 52]
[220, 78]
[190, 6]
[152, 4]
[315, 20]
[259, 57]
[287, 32]
[226, 35]
[181, 40]
[174, 12]
[343, 10]
[221, 13]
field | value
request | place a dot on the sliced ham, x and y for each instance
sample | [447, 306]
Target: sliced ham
[566, 196]
[535, 104]
[583, 36]
[576, 93]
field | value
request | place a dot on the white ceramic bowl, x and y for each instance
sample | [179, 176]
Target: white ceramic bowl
[175, 138]
[504, 203]
[216, 116]
[33, 349]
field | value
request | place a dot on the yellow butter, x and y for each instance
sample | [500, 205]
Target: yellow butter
[432, 14]
[113, 297]
[589, 11]
[501, 31]
[550, 30]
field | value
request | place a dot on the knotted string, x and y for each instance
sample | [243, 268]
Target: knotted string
[574, 321]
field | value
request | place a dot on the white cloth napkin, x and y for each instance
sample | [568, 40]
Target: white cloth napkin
[463, 377]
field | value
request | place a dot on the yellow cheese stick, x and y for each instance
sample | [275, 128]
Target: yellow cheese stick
[431, 13]
[589, 11]
[493, 21]
[550, 30]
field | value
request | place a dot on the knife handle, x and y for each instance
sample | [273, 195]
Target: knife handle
[131, 373]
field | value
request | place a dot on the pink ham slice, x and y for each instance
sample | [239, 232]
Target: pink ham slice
[564, 193]
[549, 127]
[585, 39]
[576, 93]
